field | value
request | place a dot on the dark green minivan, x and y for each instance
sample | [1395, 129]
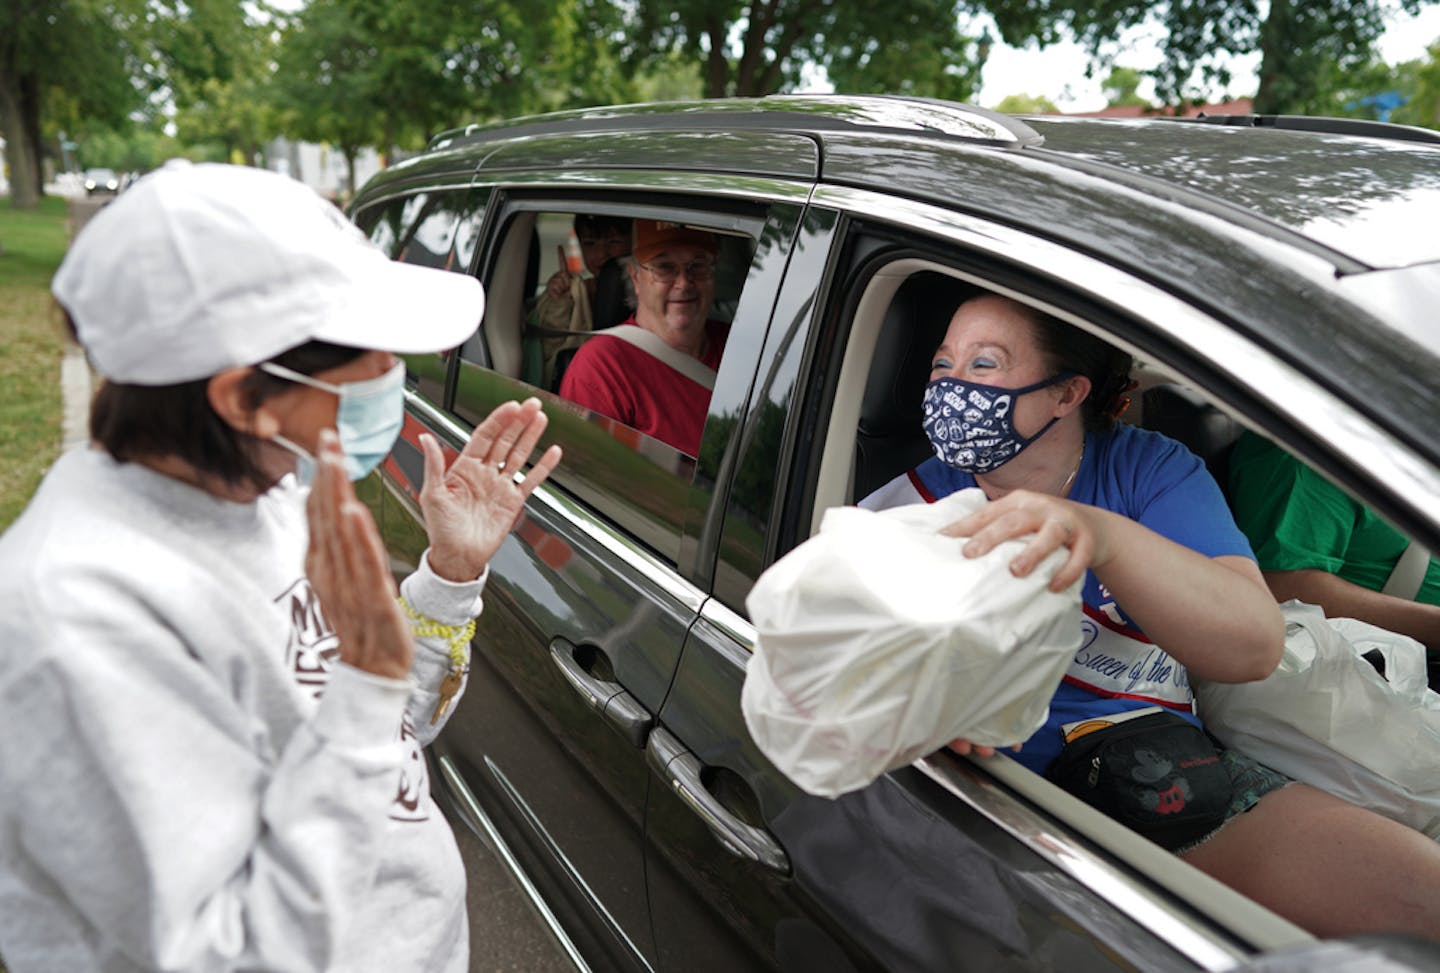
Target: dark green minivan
[1275, 274]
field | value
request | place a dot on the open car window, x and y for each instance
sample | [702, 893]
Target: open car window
[636, 466]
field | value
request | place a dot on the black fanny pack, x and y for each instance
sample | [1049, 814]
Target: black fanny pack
[1152, 771]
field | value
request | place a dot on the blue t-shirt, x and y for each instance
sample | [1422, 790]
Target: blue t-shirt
[1154, 480]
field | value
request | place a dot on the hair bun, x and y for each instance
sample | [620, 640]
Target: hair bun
[1120, 401]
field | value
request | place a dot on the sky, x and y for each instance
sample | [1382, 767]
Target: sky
[1058, 72]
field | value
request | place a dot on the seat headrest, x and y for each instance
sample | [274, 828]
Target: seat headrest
[611, 294]
[1184, 415]
[914, 326]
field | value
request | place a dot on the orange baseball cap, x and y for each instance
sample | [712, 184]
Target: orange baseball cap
[653, 237]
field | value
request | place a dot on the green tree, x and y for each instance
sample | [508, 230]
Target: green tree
[102, 65]
[1027, 105]
[1414, 84]
[190, 43]
[1121, 88]
[1306, 46]
[672, 78]
[237, 116]
[73, 56]
[132, 148]
[218, 63]
[759, 47]
[1419, 82]
[325, 78]
[392, 73]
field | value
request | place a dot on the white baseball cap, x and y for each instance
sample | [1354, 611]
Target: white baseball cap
[199, 268]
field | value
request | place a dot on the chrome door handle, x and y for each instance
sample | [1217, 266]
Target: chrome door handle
[610, 699]
[681, 768]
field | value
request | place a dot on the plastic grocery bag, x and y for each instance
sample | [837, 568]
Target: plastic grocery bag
[1327, 718]
[878, 642]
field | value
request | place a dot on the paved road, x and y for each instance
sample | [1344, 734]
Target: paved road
[84, 207]
[505, 934]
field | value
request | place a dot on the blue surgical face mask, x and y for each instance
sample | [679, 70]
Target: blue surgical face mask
[972, 427]
[368, 420]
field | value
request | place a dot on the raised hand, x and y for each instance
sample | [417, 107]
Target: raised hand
[559, 283]
[470, 507]
[347, 566]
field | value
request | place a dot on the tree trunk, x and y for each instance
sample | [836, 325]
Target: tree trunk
[30, 118]
[752, 57]
[795, 28]
[1269, 94]
[350, 152]
[18, 151]
[717, 66]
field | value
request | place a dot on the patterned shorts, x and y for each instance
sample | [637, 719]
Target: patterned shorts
[1250, 780]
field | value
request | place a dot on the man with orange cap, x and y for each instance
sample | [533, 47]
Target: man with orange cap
[655, 372]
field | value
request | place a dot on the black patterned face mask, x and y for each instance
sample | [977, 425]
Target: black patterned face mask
[972, 426]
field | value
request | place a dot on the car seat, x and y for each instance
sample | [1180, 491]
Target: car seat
[1184, 415]
[611, 302]
[889, 438]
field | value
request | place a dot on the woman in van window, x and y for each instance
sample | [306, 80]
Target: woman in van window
[217, 701]
[1023, 407]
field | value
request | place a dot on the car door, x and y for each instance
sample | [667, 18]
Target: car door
[942, 865]
[589, 601]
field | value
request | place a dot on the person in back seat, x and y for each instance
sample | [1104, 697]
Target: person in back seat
[1022, 406]
[658, 382]
[567, 304]
[1314, 543]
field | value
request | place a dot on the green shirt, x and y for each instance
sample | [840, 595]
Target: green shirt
[1296, 519]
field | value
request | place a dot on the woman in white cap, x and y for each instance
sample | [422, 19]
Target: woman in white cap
[216, 709]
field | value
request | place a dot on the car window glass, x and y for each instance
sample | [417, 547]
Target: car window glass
[467, 236]
[427, 229]
[384, 223]
[428, 242]
[636, 467]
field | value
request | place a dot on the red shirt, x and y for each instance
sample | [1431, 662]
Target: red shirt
[619, 380]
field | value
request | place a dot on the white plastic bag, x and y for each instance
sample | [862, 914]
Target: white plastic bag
[879, 642]
[1327, 718]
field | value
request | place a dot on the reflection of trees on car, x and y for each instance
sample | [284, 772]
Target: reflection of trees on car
[1333, 189]
[752, 491]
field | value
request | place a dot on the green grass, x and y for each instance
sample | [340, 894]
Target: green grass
[31, 345]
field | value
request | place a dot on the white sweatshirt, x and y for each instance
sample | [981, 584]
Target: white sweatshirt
[189, 779]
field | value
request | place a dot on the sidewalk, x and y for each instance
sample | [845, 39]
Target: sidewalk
[76, 379]
[75, 392]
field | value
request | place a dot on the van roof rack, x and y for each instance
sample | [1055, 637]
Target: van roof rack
[774, 112]
[1324, 124]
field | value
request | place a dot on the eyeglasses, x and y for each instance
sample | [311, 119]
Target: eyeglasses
[667, 270]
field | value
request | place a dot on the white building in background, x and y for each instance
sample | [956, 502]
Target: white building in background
[321, 167]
